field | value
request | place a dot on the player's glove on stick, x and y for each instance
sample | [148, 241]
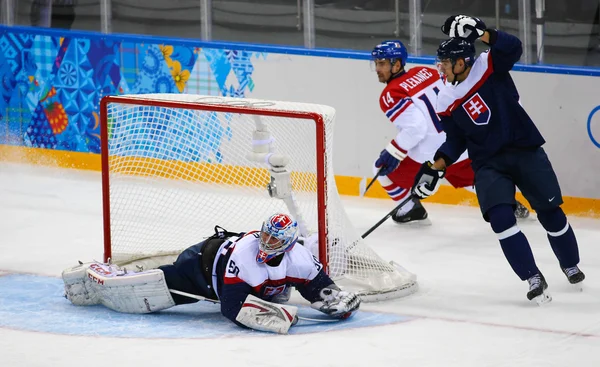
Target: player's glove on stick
[427, 181]
[390, 158]
[337, 303]
[464, 26]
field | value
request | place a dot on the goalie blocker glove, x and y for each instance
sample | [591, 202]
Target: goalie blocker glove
[337, 303]
[261, 315]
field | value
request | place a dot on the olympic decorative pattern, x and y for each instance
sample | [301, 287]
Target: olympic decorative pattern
[51, 86]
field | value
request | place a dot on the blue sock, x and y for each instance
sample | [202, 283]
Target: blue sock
[561, 236]
[514, 243]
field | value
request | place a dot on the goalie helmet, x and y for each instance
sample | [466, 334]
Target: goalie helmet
[278, 234]
[391, 50]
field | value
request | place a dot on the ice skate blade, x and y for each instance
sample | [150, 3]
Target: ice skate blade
[577, 287]
[416, 223]
[543, 299]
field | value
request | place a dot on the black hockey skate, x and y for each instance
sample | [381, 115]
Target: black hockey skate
[416, 214]
[537, 286]
[521, 211]
[574, 275]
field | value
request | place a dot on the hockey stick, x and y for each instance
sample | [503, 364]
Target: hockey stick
[371, 183]
[368, 232]
[200, 298]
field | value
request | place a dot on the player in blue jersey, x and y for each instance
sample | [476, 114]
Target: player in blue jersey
[248, 273]
[480, 111]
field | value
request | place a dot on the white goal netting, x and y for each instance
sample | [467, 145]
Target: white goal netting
[177, 165]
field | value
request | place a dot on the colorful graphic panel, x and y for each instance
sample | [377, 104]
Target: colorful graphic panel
[52, 86]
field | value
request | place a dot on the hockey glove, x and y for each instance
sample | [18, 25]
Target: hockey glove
[464, 26]
[390, 158]
[427, 181]
[337, 303]
[262, 315]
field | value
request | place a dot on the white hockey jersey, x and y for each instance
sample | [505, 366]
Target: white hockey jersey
[298, 267]
[409, 102]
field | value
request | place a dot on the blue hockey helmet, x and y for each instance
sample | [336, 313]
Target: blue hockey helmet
[278, 234]
[391, 50]
[456, 48]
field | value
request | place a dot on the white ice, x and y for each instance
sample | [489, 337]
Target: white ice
[470, 310]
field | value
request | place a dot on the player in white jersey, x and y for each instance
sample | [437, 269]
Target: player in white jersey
[408, 101]
[248, 273]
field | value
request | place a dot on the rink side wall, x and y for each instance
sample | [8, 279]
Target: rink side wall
[52, 86]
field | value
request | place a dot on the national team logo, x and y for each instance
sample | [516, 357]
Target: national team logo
[262, 256]
[281, 221]
[478, 111]
[273, 291]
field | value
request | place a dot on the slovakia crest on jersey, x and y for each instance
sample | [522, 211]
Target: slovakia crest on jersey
[478, 111]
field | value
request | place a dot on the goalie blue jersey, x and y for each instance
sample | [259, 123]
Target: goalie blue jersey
[483, 113]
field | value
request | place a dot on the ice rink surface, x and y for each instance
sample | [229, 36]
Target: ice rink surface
[470, 309]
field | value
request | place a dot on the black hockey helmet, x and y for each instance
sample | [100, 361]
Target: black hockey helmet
[457, 48]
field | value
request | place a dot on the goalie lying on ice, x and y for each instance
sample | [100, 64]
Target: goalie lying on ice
[248, 273]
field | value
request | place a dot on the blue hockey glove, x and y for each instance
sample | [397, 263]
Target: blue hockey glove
[464, 26]
[427, 181]
[389, 159]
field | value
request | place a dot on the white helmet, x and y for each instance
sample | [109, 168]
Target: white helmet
[278, 234]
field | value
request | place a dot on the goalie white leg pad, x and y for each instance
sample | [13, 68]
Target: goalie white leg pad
[266, 316]
[142, 292]
[78, 287]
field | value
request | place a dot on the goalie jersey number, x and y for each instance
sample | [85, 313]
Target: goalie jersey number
[233, 269]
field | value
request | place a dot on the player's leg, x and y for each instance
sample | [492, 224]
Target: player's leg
[192, 271]
[496, 195]
[461, 175]
[539, 185]
[397, 185]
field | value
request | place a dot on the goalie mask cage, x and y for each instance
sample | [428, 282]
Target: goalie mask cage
[176, 165]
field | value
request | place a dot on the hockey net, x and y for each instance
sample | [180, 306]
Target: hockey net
[174, 166]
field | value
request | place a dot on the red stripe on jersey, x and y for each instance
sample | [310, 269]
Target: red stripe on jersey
[399, 112]
[398, 147]
[484, 77]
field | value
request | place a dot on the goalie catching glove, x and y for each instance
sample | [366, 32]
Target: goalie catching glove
[337, 303]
